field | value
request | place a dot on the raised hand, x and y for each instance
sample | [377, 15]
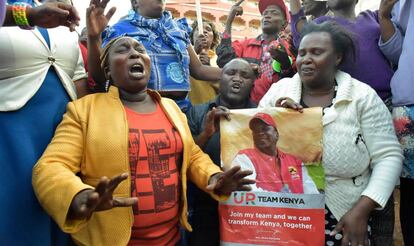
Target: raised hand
[96, 19]
[236, 10]
[101, 198]
[385, 8]
[384, 17]
[231, 180]
[53, 14]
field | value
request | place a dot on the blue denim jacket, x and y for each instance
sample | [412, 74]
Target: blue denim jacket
[166, 41]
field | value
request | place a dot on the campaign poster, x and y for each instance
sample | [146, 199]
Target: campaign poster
[283, 149]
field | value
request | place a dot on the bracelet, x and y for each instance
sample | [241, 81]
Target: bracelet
[277, 67]
[20, 15]
[225, 35]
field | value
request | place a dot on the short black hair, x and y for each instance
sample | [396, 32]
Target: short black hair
[342, 39]
[255, 72]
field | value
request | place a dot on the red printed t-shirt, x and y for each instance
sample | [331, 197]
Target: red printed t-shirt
[155, 154]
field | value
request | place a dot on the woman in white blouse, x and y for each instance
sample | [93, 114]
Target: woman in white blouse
[362, 157]
[41, 70]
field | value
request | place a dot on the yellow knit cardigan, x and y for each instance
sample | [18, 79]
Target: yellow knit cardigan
[91, 142]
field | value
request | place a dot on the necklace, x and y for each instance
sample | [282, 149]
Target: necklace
[318, 93]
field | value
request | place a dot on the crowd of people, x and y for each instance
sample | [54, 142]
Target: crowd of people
[112, 137]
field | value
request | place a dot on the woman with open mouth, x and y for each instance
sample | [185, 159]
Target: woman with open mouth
[129, 152]
[167, 41]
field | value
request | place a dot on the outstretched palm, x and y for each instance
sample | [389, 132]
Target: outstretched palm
[101, 198]
[96, 19]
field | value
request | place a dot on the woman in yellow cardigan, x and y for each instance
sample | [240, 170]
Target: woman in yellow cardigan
[139, 140]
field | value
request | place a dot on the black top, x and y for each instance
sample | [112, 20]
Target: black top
[198, 201]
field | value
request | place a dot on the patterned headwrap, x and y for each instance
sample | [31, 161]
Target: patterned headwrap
[105, 53]
[170, 32]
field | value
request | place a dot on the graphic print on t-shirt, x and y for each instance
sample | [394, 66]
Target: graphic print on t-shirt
[158, 174]
[155, 153]
[157, 142]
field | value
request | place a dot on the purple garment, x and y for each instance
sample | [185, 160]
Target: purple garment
[2, 11]
[400, 50]
[370, 65]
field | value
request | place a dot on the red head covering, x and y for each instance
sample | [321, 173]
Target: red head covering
[264, 3]
[266, 118]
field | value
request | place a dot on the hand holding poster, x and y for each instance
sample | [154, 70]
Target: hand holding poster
[283, 149]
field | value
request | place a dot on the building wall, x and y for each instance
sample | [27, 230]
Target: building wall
[217, 8]
[247, 25]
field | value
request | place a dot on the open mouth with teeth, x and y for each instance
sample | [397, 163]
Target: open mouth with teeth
[137, 70]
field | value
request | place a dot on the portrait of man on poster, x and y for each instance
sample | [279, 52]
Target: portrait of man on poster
[273, 169]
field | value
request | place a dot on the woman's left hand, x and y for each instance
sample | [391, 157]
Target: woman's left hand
[231, 180]
[354, 224]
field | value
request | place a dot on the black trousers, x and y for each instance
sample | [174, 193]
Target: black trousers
[382, 223]
[407, 210]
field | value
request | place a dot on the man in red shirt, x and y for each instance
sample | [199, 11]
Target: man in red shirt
[273, 170]
[270, 52]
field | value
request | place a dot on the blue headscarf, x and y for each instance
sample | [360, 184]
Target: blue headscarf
[166, 41]
[168, 29]
[31, 2]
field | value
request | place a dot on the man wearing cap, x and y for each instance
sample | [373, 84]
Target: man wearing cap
[273, 170]
[271, 53]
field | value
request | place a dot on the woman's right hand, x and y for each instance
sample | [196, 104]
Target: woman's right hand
[101, 198]
[96, 20]
[286, 102]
